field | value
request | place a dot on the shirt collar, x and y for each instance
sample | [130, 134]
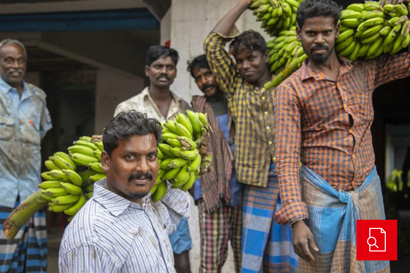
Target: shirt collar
[5, 88]
[145, 93]
[114, 203]
[307, 72]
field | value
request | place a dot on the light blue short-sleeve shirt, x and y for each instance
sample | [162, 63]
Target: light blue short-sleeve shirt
[23, 123]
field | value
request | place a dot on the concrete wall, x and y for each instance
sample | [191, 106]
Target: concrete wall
[191, 22]
[111, 89]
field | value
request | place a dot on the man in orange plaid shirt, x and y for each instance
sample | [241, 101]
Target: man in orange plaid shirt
[324, 113]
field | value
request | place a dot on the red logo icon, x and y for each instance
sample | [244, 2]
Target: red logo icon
[376, 240]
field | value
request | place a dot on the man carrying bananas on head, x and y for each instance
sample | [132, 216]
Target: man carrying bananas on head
[324, 113]
[159, 102]
[24, 121]
[266, 246]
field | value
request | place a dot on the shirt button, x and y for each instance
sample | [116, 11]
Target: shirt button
[266, 113]
[270, 142]
[267, 128]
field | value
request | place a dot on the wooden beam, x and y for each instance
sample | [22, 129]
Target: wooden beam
[158, 7]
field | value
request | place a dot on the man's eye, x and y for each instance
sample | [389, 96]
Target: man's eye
[129, 157]
[153, 156]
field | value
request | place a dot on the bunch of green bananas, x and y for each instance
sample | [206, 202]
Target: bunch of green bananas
[182, 154]
[368, 30]
[70, 179]
[276, 15]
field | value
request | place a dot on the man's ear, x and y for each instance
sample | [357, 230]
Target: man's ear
[266, 57]
[147, 70]
[105, 161]
[337, 31]
[298, 33]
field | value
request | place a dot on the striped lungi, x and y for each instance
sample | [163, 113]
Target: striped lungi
[332, 220]
[28, 251]
[224, 224]
[266, 246]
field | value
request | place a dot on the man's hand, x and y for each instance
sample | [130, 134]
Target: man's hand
[393, 2]
[302, 239]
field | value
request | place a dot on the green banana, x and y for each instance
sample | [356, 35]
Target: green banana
[71, 188]
[182, 176]
[344, 44]
[83, 160]
[97, 154]
[88, 195]
[363, 50]
[182, 131]
[176, 163]
[195, 163]
[372, 38]
[66, 157]
[49, 184]
[194, 119]
[385, 30]
[77, 206]
[160, 154]
[85, 143]
[351, 22]
[164, 163]
[348, 14]
[96, 177]
[166, 149]
[344, 35]
[170, 125]
[371, 22]
[74, 177]
[160, 192]
[184, 120]
[366, 15]
[390, 37]
[85, 175]
[187, 142]
[62, 163]
[90, 188]
[99, 145]
[375, 46]
[203, 118]
[401, 9]
[85, 150]
[189, 183]
[65, 199]
[54, 192]
[86, 138]
[170, 174]
[58, 175]
[190, 155]
[51, 166]
[174, 142]
[356, 7]
[167, 136]
[371, 31]
[46, 176]
[96, 166]
[58, 207]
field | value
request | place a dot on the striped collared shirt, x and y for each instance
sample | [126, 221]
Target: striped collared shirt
[112, 234]
[326, 124]
[145, 104]
[253, 112]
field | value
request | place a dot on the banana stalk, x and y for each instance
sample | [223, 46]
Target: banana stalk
[20, 215]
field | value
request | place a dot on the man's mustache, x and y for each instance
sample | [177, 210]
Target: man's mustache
[318, 47]
[206, 86]
[140, 176]
[163, 76]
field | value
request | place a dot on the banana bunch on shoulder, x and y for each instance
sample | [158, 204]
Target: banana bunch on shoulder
[276, 15]
[69, 182]
[184, 143]
[369, 30]
[286, 55]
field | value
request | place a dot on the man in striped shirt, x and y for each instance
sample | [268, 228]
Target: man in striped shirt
[265, 245]
[324, 113]
[119, 229]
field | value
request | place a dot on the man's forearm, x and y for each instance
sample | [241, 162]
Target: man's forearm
[225, 25]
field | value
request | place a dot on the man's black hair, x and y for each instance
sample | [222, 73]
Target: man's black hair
[197, 62]
[248, 41]
[313, 8]
[157, 51]
[125, 125]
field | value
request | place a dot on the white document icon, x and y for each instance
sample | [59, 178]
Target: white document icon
[377, 240]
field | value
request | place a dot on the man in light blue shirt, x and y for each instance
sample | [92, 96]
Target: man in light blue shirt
[24, 121]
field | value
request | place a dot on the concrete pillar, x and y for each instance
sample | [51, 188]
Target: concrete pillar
[191, 22]
[111, 89]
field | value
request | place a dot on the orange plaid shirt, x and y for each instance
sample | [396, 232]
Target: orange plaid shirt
[326, 125]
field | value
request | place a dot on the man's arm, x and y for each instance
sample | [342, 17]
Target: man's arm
[288, 143]
[219, 60]
[86, 258]
[225, 25]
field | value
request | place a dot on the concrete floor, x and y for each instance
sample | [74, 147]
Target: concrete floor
[54, 238]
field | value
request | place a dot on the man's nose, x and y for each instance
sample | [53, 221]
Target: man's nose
[246, 64]
[142, 165]
[319, 39]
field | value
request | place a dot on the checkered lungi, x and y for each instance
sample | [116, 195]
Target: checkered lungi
[266, 245]
[332, 220]
[28, 251]
[217, 229]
